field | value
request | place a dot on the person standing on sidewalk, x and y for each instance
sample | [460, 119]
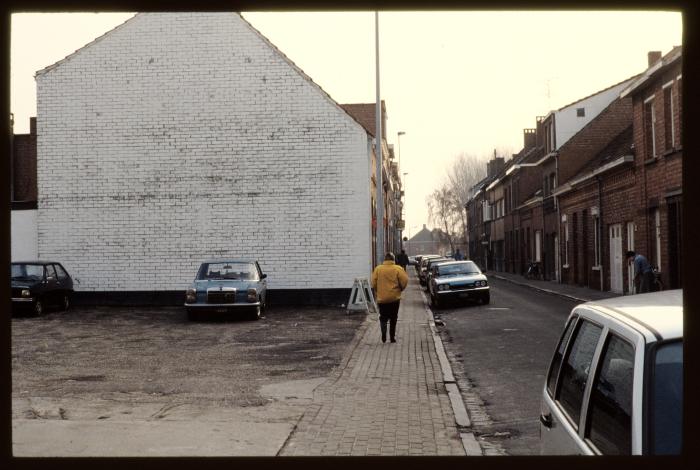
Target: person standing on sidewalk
[643, 272]
[402, 259]
[388, 281]
[458, 256]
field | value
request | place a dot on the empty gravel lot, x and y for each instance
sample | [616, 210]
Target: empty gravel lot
[145, 381]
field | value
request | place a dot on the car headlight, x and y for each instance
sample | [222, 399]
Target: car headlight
[191, 295]
[444, 287]
[252, 294]
[26, 293]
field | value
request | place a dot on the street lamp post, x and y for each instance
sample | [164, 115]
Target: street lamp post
[378, 152]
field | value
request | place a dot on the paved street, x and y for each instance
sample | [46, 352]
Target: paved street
[500, 353]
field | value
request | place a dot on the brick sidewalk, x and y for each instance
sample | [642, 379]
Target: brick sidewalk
[384, 399]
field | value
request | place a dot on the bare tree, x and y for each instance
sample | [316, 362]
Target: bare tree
[442, 211]
[464, 172]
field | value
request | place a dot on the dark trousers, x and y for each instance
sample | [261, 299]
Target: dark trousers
[389, 312]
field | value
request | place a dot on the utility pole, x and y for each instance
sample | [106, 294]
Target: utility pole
[378, 153]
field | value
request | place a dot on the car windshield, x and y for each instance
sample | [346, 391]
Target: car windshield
[667, 399]
[28, 271]
[239, 271]
[458, 269]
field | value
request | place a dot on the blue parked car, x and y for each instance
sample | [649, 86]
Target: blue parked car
[228, 286]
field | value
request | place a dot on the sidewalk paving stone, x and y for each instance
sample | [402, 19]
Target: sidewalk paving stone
[384, 399]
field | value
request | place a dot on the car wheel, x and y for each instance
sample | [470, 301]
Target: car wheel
[485, 299]
[66, 302]
[257, 313]
[38, 308]
[192, 315]
[434, 301]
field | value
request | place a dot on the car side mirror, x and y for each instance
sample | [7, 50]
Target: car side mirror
[263, 276]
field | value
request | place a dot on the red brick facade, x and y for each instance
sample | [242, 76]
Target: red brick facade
[24, 165]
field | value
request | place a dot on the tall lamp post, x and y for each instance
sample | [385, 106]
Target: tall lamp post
[378, 152]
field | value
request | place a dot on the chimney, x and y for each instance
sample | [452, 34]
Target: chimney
[32, 125]
[653, 57]
[529, 138]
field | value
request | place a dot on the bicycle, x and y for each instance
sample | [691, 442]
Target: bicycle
[658, 283]
[533, 270]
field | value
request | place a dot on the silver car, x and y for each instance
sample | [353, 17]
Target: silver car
[615, 383]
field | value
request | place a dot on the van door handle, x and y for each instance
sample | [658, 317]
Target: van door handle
[546, 420]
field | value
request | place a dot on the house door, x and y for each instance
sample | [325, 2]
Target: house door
[616, 258]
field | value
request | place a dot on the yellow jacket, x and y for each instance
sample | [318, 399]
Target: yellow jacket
[388, 280]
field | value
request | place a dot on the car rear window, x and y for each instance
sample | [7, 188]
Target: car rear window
[558, 355]
[610, 409]
[576, 367]
[667, 400]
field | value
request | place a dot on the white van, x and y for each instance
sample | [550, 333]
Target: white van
[615, 383]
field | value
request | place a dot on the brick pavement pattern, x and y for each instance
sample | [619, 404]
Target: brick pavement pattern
[384, 399]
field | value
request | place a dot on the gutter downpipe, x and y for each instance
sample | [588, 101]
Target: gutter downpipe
[556, 203]
[600, 229]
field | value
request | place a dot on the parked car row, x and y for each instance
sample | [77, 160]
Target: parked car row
[447, 280]
[220, 286]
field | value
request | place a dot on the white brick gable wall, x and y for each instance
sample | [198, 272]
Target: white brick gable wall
[178, 137]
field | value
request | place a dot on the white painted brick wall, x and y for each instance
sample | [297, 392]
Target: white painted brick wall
[179, 137]
[24, 235]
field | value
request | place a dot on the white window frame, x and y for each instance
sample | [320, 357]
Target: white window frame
[596, 241]
[672, 112]
[657, 236]
[650, 101]
[566, 244]
[538, 246]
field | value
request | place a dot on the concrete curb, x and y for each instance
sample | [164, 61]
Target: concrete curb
[469, 442]
[541, 289]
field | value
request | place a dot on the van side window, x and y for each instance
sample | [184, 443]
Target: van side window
[577, 365]
[558, 354]
[610, 407]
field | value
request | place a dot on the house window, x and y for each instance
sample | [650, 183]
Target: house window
[596, 240]
[649, 129]
[580, 112]
[669, 127]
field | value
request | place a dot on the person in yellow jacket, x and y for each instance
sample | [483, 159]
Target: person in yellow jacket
[388, 281]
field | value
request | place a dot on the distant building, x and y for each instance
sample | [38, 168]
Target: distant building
[428, 242]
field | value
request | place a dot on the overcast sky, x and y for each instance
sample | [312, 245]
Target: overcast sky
[453, 81]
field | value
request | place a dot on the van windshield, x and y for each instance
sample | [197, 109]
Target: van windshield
[667, 400]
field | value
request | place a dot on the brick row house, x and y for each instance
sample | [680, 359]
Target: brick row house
[594, 179]
[365, 114]
[178, 137]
